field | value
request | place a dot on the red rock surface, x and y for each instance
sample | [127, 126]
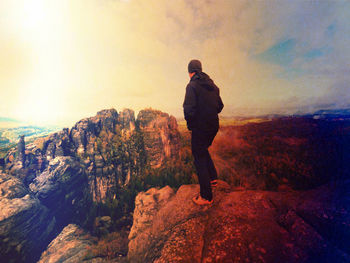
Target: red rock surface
[241, 226]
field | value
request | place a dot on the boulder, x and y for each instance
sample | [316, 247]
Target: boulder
[26, 226]
[70, 245]
[147, 205]
[60, 186]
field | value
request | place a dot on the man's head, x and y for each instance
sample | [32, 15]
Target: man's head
[194, 66]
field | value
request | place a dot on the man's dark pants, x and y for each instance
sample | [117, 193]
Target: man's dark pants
[206, 171]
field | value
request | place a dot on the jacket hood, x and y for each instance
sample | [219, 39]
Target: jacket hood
[204, 80]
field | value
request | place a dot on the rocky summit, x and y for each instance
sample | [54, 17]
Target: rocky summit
[241, 226]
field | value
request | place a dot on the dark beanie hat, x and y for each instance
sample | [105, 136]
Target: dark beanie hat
[194, 66]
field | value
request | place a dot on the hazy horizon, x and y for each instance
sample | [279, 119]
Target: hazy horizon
[61, 61]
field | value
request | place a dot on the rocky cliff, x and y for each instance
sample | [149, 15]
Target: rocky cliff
[111, 147]
[241, 226]
[59, 177]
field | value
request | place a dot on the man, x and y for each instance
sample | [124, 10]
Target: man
[201, 107]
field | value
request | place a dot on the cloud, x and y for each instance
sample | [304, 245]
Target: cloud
[92, 54]
[282, 53]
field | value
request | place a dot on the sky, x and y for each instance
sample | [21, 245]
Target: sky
[61, 61]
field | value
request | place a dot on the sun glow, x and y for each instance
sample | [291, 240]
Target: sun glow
[39, 23]
[33, 14]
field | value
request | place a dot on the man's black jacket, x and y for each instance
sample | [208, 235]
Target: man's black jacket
[202, 103]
